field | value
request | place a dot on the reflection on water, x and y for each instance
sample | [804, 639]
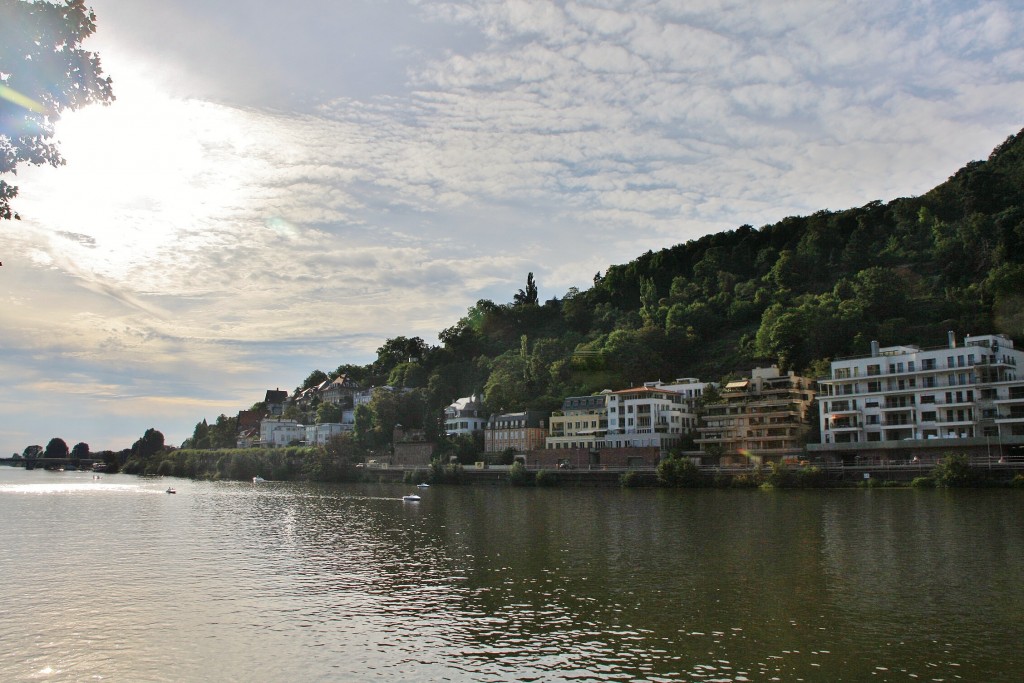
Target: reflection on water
[227, 581]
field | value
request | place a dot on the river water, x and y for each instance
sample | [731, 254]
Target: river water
[115, 580]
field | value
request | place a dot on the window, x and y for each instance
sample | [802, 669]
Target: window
[874, 387]
[928, 416]
[874, 370]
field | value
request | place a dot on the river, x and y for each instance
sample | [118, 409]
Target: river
[113, 579]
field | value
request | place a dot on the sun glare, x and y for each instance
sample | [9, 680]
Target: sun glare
[146, 178]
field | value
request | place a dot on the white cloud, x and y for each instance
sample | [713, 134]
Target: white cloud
[216, 227]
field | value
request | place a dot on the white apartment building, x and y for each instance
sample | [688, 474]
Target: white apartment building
[320, 434]
[277, 433]
[902, 397]
[691, 390]
[647, 416]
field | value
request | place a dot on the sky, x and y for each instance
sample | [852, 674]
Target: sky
[281, 187]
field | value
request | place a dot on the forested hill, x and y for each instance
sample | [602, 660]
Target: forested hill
[798, 293]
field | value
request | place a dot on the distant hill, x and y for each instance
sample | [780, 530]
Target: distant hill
[797, 293]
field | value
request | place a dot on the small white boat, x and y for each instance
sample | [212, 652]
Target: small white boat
[170, 490]
[411, 499]
[258, 479]
[424, 485]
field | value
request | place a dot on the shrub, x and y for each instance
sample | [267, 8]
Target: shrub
[518, 475]
[953, 471]
[679, 473]
[454, 473]
[630, 480]
[165, 468]
[923, 483]
[811, 478]
[750, 480]
[546, 478]
[875, 483]
[780, 477]
[414, 476]
[441, 473]
[132, 466]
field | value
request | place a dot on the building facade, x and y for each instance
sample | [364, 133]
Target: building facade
[320, 434]
[521, 432]
[340, 391]
[905, 397]
[582, 423]
[765, 417]
[648, 416]
[275, 400]
[277, 433]
[465, 416]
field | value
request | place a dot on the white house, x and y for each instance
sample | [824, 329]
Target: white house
[320, 434]
[465, 416]
[277, 432]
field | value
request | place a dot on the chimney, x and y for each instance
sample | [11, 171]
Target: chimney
[874, 349]
[951, 335]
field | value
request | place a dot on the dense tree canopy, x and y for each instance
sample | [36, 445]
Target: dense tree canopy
[152, 441]
[56, 448]
[43, 72]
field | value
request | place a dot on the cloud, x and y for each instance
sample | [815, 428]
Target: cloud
[263, 199]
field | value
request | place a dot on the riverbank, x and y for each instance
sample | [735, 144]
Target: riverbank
[955, 470]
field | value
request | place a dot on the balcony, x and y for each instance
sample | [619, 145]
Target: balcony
[902, 403]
